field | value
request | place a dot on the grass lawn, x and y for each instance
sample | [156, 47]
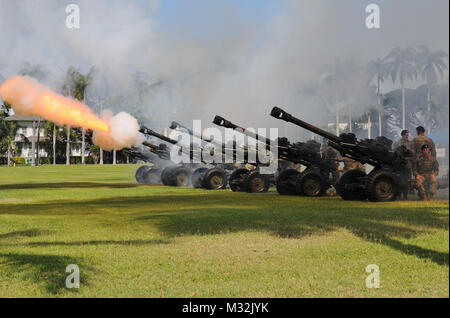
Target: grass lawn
[134, 240]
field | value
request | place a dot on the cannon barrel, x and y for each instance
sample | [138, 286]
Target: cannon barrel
[192, 154]
[221, 145]
[177, 126]
[148, 131]
[220, 121]
[134, 154]
[151, 146]
[161, 150]
[283, 115]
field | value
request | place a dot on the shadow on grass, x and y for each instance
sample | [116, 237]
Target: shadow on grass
[25, 233]
[39, 268]
[99, 242]
[59, 185]
[200, 213]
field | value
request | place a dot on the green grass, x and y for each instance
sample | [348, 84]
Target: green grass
[133, 240]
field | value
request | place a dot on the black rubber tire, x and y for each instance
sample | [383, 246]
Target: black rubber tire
[382, 186]
[255, 182]
[152, 176]
[286, 182]
[215, 179]
[348, 177]
[310, 183]
[236, 181]
[167, 175]
[140, 173]
[198, 176]
[182, 177]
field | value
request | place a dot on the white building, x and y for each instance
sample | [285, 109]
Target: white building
[24, 136]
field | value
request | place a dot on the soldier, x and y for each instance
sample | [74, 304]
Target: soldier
[421, 140]
[332, 157]
[425, 170]
[405, 172]
[403, 141]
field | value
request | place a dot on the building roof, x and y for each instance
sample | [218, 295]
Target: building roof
[16, 117]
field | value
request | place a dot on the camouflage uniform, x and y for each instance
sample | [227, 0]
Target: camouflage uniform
[426, 166]
[421, 140]
[332, 158]
[405, 172]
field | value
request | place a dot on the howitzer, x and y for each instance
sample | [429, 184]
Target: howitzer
[383, 183]
[254, 182]
[313, 181]
[201, 177]
[226, 152]
[149, 174]
[188, 173]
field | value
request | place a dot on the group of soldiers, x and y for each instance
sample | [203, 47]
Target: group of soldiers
[423, 163]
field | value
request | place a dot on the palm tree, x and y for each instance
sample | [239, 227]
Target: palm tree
[378, 69]
[8, 130]
[39, 72]
[430, 65]
[67, 87]
[81, 82]
[51, 132]
[400, 63]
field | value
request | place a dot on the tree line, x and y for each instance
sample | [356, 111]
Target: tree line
[350, 86]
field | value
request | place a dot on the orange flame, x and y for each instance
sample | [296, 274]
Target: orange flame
[28, 97]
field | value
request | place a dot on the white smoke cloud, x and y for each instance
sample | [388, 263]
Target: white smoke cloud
[213, 59]
[123, 133]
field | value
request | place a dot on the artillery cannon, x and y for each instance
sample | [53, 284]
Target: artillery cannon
[198, 175]
[313, 181]
[204, 175]
[227, 153]
[149, 174]
[382, 183]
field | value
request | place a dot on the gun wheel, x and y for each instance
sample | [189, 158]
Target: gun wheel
[140, 172]
[351, 185]
[286, 182]
[197, 177]
[256, 182]
[166, 175]
[152, 176]
[181, 177]
[215, 179]
[310, 184]
[382, 186]
[236, 181]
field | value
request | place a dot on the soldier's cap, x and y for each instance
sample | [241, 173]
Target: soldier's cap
[420, 129]
[425, 147]
[404, 132]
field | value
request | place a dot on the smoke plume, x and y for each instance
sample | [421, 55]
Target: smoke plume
[28, 97]
[124, 132]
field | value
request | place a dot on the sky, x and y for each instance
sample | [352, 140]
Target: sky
[232, 58]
